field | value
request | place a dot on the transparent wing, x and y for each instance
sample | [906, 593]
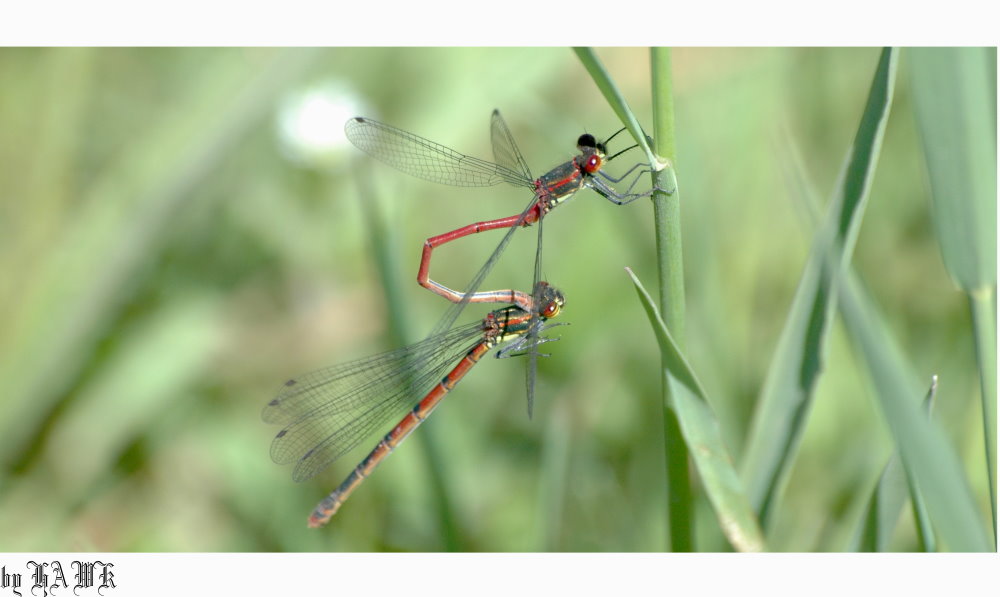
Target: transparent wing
[532, 368]
[425, 159]
[328, 412]
[505, 151]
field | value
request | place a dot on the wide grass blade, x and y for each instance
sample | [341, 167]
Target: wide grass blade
[930, 461]
[954, 93]
[894, 485]
[701, 432]
[984, 320]
[788, 389]
[942, 499]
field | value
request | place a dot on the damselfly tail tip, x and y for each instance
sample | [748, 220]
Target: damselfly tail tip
[316, 522]
[320, 517]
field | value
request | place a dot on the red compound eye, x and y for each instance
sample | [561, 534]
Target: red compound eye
[551, 309]
[593, 164]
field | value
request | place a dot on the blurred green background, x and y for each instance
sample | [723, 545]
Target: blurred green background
[183, 229]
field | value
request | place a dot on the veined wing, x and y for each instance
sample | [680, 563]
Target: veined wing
[505, 151]
[328, 412]
[425, 159]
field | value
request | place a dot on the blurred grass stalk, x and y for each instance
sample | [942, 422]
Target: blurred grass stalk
[387, 266]
[955, 97]
[117, 226]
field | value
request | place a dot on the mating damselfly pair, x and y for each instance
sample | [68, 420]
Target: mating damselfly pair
[328, 412]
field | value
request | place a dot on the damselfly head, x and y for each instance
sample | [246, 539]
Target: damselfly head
[593, 153]
[551, 309]
[548, 299]
[586, 140]
[588, 144]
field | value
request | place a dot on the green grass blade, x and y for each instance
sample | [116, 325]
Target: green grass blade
[666, 217]
[887, 500]
[984, 320]
[553, 490]
[667, 208]
[955, 97]
[670, 278]
[868, 330]
[955, 101]
[788, 389]
[925, 530]
[615, 99]
[883, 509]
[931, 463]
[701, 432]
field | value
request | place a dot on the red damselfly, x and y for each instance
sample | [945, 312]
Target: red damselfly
[328, 412]
[431, 161]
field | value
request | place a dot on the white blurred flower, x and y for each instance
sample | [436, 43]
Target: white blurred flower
[311, 122]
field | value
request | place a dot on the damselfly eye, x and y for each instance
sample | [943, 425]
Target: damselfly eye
[586, 140]
[550, 310]
[593, 164]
